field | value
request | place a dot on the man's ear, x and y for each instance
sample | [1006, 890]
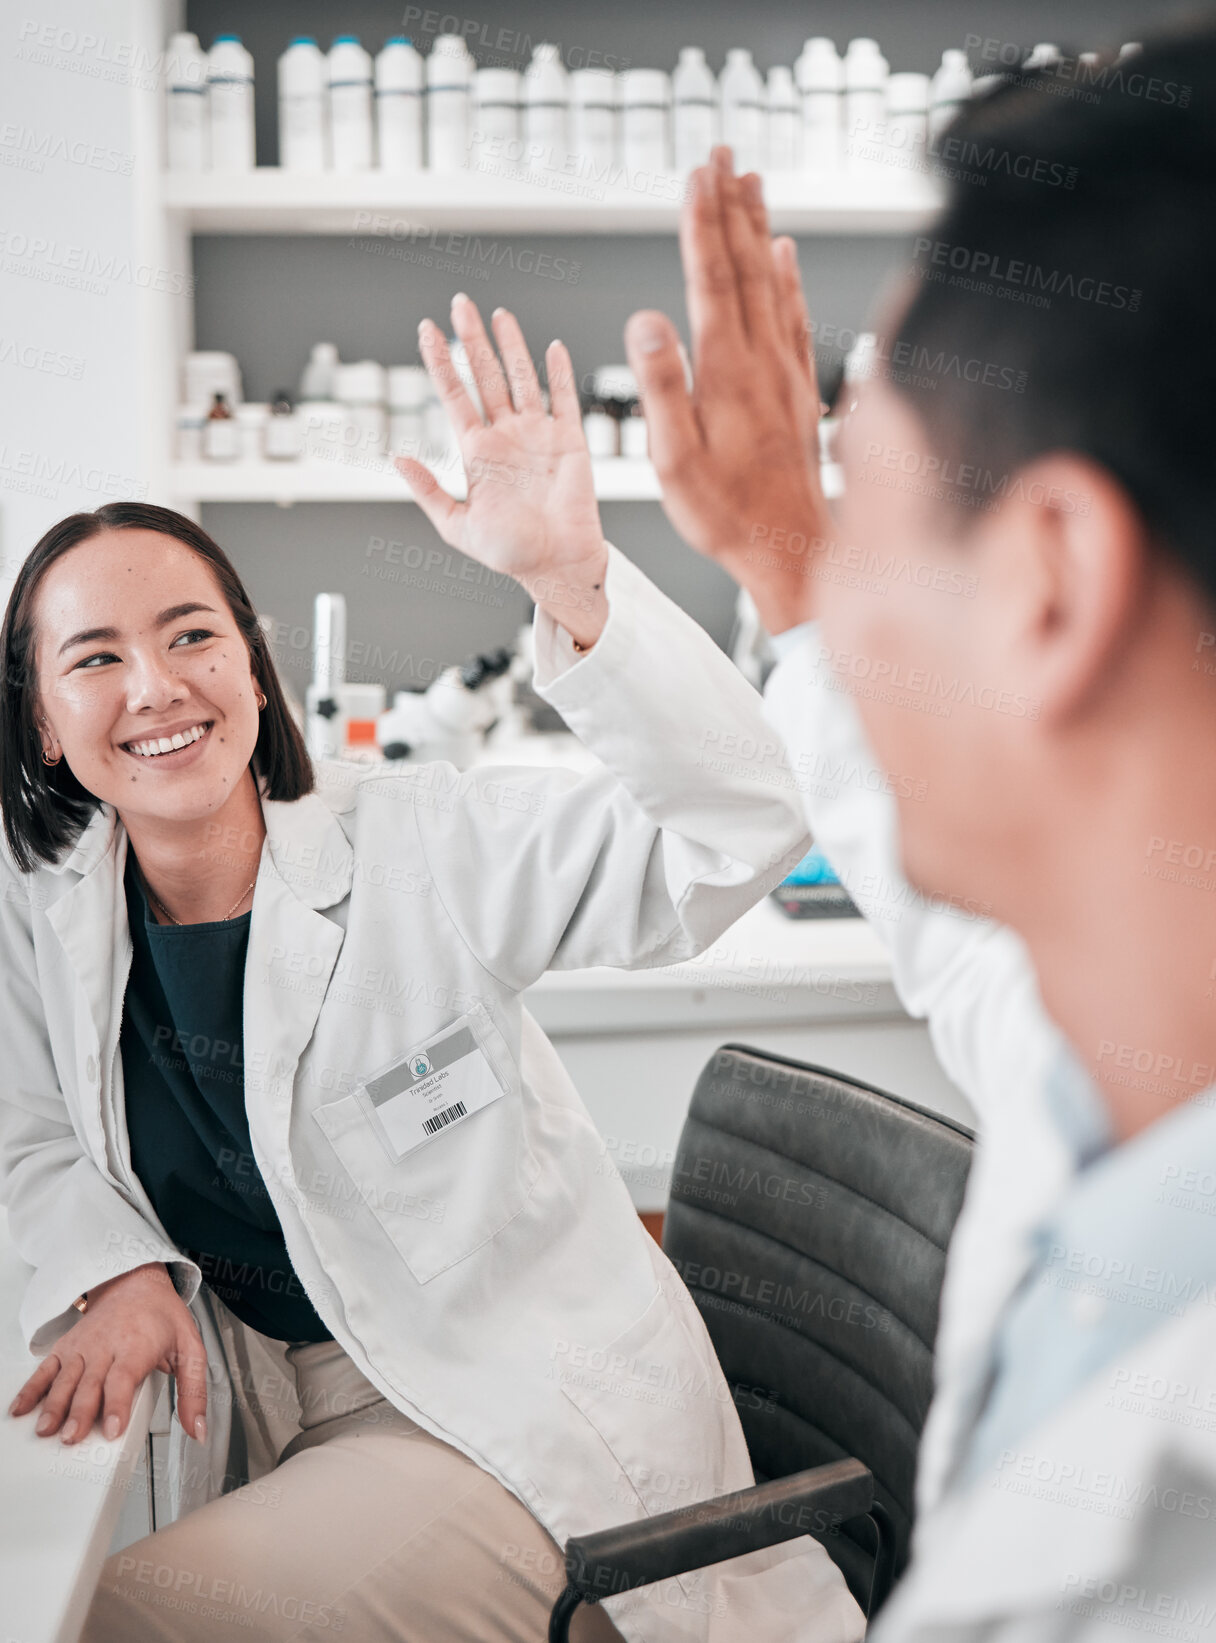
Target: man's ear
[1083, 567]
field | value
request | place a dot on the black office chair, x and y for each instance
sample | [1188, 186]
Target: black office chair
[809, 1216]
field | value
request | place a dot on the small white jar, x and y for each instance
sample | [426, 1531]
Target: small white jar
[251, 420]
[191, 420]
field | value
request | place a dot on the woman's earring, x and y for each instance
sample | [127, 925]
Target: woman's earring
[261, 701]
[45, 760]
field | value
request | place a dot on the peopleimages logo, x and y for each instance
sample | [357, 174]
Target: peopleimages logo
[55, 262]
[425, 244]
[987, 158]
[969, 478]
[1029, 277]
[922, 682]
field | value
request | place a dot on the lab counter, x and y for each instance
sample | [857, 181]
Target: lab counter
[817, 990]
[61, 1508]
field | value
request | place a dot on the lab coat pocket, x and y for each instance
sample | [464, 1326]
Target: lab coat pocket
[655, 1401]
[453, 1191]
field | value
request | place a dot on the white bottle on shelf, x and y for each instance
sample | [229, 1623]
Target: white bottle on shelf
[409, 388]
[599, 428]
[819, 73]
[907, 121]
[186, 104]
[209, 372]
[302, 111]
[616, 388]
[783, 121]
[251, 420]
[350, 105]
[694, 93]
[317, 378]
[1044, 55]
[645, 120]
[400, 78]
[191, 421]
[635, 444]
[323, 423]
[221, 431]
[230, 105]
[950, 89]
[495, 144]
[594, 100]
[741, 91]
[449, 74]
[361, 388]
[283, 441]
[546, 110]
[865, 106]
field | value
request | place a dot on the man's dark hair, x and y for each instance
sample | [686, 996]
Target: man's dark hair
[45, 807]
[1076, 262]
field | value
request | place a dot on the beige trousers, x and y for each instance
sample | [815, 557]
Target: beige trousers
[361, 1525]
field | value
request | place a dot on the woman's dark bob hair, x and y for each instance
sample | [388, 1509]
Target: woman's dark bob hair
[45, 807]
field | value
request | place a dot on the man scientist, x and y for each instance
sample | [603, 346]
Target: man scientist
[1051, 727]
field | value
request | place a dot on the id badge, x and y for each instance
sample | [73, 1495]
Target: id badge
[437, 1085]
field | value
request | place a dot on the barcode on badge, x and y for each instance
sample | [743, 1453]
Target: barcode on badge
[447, 1116]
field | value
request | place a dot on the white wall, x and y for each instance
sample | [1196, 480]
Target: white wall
[86, 310]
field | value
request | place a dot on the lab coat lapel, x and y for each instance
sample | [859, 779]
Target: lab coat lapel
[92, 929]
[307, 865]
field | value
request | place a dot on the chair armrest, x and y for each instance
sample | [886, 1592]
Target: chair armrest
[813, 1503]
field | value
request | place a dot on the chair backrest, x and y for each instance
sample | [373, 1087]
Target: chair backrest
[809, 1216]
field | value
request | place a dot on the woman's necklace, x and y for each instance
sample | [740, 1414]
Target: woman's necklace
[227, 915]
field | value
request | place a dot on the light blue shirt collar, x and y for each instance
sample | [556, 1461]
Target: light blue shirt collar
[1131, 1246]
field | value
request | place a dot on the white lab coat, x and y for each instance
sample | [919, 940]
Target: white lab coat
[1018, 1557]
[496, 1284]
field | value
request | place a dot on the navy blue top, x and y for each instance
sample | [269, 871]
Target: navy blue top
[182, 1046]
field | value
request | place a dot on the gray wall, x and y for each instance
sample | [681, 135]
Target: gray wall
[268, 298]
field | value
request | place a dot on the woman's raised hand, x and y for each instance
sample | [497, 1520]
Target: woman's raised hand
[134, 1324]
[531, 510]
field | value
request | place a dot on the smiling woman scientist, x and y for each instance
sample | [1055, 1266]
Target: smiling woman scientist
[384, 1230]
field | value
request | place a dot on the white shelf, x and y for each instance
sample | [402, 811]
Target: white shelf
[406, 210]
[617, 480]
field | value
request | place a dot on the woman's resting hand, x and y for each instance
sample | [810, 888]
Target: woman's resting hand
[134, 1324]
[531, 511]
